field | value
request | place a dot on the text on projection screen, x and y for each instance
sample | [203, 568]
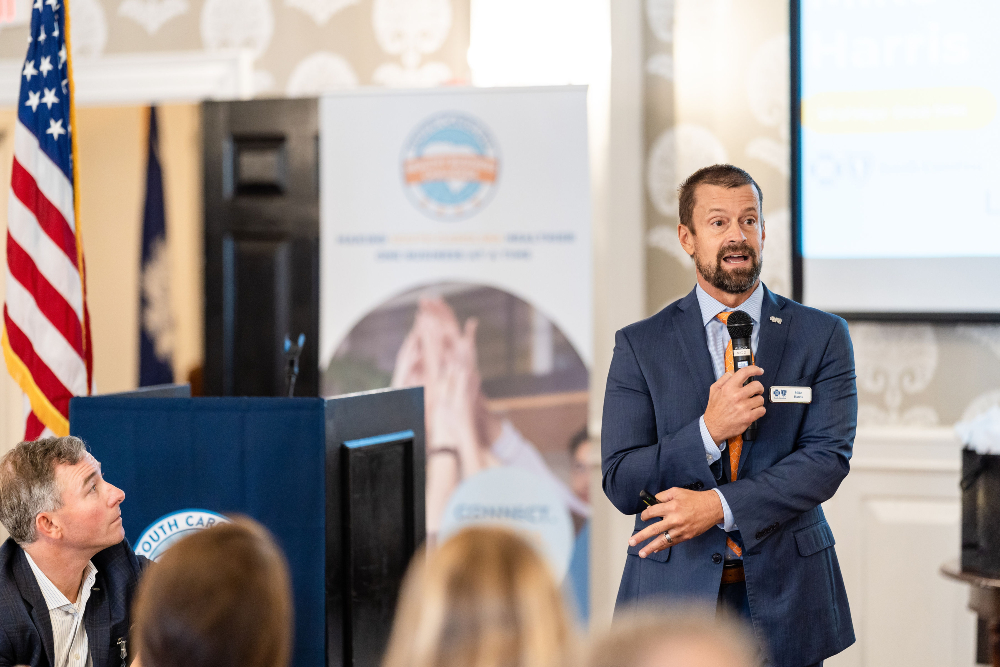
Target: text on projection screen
[900, 155]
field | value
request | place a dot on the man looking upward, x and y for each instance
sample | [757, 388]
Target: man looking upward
[739, 522]
[67, 575]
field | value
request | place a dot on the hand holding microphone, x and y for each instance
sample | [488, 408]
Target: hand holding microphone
[740, 327]
[733, 406]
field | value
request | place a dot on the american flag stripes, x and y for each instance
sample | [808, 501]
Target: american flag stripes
[46, 328]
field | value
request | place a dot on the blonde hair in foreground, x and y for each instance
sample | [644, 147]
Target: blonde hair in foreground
[681, 637]
[484, 598]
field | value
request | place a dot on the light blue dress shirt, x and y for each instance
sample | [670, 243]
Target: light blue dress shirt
[718, 339]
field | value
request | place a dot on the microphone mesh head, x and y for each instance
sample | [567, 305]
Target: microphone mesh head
[739, 324]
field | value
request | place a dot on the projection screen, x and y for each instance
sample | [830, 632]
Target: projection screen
[896, 156]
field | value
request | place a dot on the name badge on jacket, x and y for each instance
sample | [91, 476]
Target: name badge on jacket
[791, 394]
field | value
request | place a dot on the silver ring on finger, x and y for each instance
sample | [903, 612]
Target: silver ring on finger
[666, 536]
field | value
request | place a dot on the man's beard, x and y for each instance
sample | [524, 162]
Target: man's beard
[731, 281]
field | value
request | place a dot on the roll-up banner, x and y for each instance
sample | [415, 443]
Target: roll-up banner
[455, 255]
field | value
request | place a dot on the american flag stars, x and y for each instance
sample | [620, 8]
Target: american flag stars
[50, 97]
[47, 55]
[55, 128]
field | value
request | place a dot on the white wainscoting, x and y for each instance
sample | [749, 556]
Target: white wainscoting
[145, 78]
[897, 519]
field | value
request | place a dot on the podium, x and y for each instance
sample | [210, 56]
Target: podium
[339, 482]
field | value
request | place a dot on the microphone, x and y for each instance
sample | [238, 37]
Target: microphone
[292, 352]
[740, 328]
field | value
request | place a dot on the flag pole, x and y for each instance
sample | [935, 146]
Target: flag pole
[87, 346]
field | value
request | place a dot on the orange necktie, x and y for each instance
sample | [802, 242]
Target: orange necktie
[734, 444]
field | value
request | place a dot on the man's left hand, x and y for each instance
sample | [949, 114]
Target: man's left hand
[686, 514]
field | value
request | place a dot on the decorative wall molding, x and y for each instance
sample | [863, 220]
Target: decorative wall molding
[149, 77]
[906, 449]
[873, 464]
[896, 435]
[897, 519]
[152, 14]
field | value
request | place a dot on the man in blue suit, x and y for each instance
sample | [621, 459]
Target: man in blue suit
[738, 523]
[67, 574]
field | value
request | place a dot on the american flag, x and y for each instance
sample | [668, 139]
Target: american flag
[46, 328]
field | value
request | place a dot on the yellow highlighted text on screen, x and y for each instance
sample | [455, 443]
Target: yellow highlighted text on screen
[909, 110]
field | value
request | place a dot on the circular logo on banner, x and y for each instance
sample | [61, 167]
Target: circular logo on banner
[517, 499]
[450, 166]
[169, 528]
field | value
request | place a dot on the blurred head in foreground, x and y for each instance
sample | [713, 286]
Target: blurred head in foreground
[680, 638]
[218, 598]
[484, 598]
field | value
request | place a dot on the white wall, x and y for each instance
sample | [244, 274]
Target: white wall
[619, 266]
[897, 520]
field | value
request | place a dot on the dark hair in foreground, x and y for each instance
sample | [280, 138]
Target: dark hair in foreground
[723, 175]
[28, 482]
[484, 598]
[219, 598]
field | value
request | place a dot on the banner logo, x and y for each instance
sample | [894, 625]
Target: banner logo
[450, 166]
[166, 530]
[518, 499]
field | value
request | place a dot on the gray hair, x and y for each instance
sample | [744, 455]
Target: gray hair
[28, 482]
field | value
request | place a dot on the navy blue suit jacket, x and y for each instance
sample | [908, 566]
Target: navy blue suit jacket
[650, 439]
[25, 628]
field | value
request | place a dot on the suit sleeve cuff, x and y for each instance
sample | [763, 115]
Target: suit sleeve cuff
[728, 523]
[713, 452]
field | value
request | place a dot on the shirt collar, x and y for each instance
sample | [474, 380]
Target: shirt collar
[54, 598]
[710, 306]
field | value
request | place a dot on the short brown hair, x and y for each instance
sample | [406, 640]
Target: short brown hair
[723, 175]
[28, 482]
[218, 598]
[484, 598]
[640, 634]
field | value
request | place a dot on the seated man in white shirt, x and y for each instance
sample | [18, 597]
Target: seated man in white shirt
[67, 574]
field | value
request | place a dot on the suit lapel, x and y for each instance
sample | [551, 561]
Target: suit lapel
[694, 345]
[97, 620]
[771, 347]
[32, 594]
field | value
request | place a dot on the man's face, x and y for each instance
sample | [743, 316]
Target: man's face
[90, 517]
[728, 243]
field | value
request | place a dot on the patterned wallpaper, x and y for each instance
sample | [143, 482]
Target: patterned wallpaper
[301, 47]
[716, 88]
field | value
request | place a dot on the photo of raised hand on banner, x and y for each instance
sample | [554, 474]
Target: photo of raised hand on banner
[502, 386]
[440, 355]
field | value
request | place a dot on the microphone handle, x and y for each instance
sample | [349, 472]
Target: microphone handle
[751, 432]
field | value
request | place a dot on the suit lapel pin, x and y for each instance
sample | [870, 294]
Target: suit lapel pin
[776, 320]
